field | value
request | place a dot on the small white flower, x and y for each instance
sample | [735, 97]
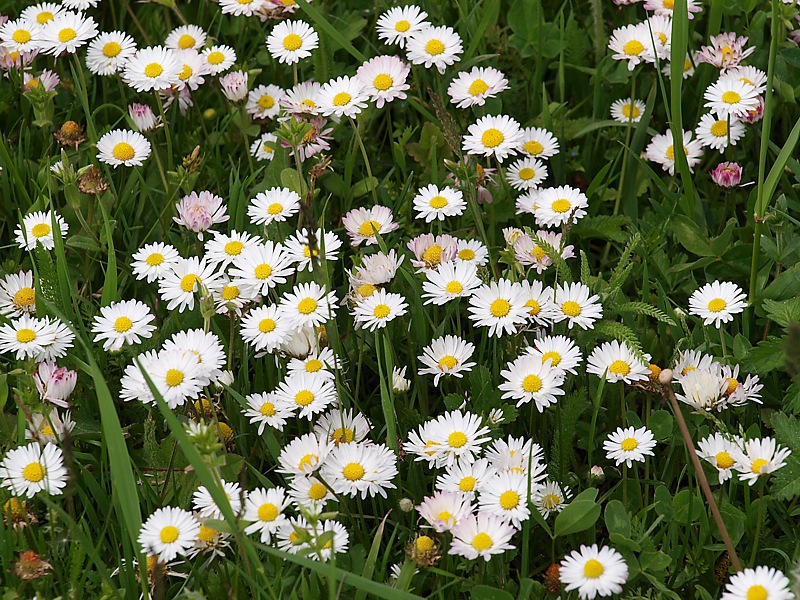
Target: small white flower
[445, 356]
[473, 88]
[759, 457]
[37, 228]
[594, 572]
[560, 205]
[434, 47]
[629, 444]
[498, 136]
[291, 41]
[121, 323]
[377, 310]
[500, 306]
[627, 110]
[397, 24]
[717, 302]
[123, 147]
[615, 361]
[432, 202]
[152, 68]
[263, 102]
[384, 79]
[343, 96]
[28, 470]
[761, 583]
[481, 536]
[169, 532]
[575, 303]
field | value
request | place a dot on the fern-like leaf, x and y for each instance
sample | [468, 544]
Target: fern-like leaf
[642, 308]
[621, 333]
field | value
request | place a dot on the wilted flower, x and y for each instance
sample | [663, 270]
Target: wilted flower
[30, 566]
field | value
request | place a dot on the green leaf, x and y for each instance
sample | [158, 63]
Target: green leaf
[767, 356]
[784, 312]
[581, 514]
[690, 236]
[484, 592]
[364, 187]
[654, 561]
[661, 424]
[617, 519]
[320, 21]
[642, 308]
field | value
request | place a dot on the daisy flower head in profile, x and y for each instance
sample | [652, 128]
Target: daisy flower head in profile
[303, 455]
[443, 510]
[719, 451]
[497, 136]
[526, 173]
[303, 248]
[17, 294]
[450, 280]
[717, 302]
[186, 37]
[435, 47]
[54, 383]
[143, 117]
[446, 356]
[234, 85]
[28, 470]
[727, 50]
[633, 44]
[264, 510]
[108, 52]
[500, 306]
[37, 229]
[291, 41]
[627, 110]
[343, 97]
[473, 88]
[362, 224]
[615, 361]
[340, 427]
[759, 457]
[761, 583]
[276, 204]
[529, 379]
[66, 33]
[384, 79]
[21, 35]
[594, 572]
[152, 68]
[121, 323]
[263, 148]
[560, 205]
[123, 147]
[169, 532]
[397, 24]
[575, 303]
[379, 309]
[363, 469]
[731, 96]
[432, 202]
[153, 261]
[263, 102]
[219, 58]
[481, 536]
[551, 498]
[662, 151]
[659, 28]
[308, 304]
[718, 132]
[629, 444]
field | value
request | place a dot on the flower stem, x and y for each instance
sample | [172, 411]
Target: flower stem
[366, 160]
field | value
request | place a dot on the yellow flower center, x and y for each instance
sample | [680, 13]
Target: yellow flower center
[123, 324]
[185, 73]
[432, 256]
[633, 48]
[381, 311]
[44, 16]
[561, 206]
[206, 534]
[267, 325]
[438, 202]
[467, 484]
[123, 151]
[629, 444]
[215, 58]
[40, 230]
[294, 539]
[492, 138]
[111, 49]
[292, 42]
[630, 111]
[719, 129]
[26, 335]
[466, 254]
[571, 309]
[758, 464]
[304, 398]
[267, 409]
[267, 512]
[669, 4]
[457, 439]
[47, 430]
[531, 384]
[732, 385]
[262, 271]
[550, 501]
[454, 287]
[309, 460]
[368, 228]
[619, 367]
[234, 248]
[169, 534]
[527, 174]
[533, 147]
[21, 36]
[434, 47]
[313, 366]
[538, 253]
[478, 87]
[174, 377]
[266, 102]
[554, 358]
[274, 208]
[533, 307]
[153, 70]
[307, 252]
[353, 471]
[343, 434]
[383, 82]
[366, 290]
[509, 499]
[670, 153]
[717, 305]
[482, 542]
[341, 99]
[445, 516]
[188, 282]
[307, 306]
[317, 491]
[448, 362]
[154, 259]
[24, 297]
[724, 460]
[186, 41]
[731, 97]
[757, 592]
[424, 543]
[500, 307]
[402, 26]
[34, 472]
[593, 568]
[66, 35]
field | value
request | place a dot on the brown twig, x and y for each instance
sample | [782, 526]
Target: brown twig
[665, 379]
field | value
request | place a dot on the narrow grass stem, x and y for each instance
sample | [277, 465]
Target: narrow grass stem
[366, 159]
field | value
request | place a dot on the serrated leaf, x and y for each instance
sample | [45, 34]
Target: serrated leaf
[784, 312]
[767, 356]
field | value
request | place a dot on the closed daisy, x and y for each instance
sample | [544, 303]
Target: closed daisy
[304, 249]
[481, 536]
[186, 276]
[264, 510]
[308, 304]
[219, 58]
[444, 510]
[66, 33]
[731, 96]
[265, 409]
[186, 37]
[360, 469]
[474, 87]
[432, 202]
[120, 323]
[291, 41]
[169, 532]
[761, 583]
[560, 205]
[718, 132]
[397, 24]
[108, 52]
[717, 302]
[506, 496]
[307, 394]
[526, 173]
[627, 110]
[500, 306]
[153, 68]
[276, 204]
[199, 212]
[37, 229]
[28, 470]
[261, 267]
[719, 452]
[538, 143]
[265, 328]
[17, 294]
[384, 79]
[434, 47]
[615, 361]
[153, 261]
[497, 136]
[594, 572]
[263, 102]
[379, 309]
[342, 427]
[529, 379]
[575, 303]
[123, 147]
[343, 97]
[446, 356]
[450, 280]
[303, 455]
[629, 444]
[362, 224]
[759, 457]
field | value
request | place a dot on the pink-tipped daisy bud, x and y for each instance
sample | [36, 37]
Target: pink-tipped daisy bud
[727, 174]
[234, 86]
[143, 117]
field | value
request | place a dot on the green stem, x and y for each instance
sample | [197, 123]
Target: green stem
[757, 538]
[366, 160]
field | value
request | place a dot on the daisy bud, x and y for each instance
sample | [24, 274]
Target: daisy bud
[55, 383]
[225, 379]
[234, 85]
[665, 376]
[400, 384]
[596, 472]
[143, 117]
[198, 212]
[754, 115]
[727, 174]
[406, 504]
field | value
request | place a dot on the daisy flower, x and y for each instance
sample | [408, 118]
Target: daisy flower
[143, 117]
[276, 204]
[17, 294]
[660, 28]
[560, 205]
[186, 37]
[169, 532]
[759, 457]
[529, 253]
[561, 351]
[205, 348]
[21, 35]
[720, 451]
[265, 328]
[472, 251]
[726, 51]
[400, 384]
[242, 8]
[54, 383]
[303, 455]
[575, 304]
[632, 43]
[222, 249]
[123, 147]
[310, 493]
[176, 376]
[177, 286]
[615, 361]
[630, 444]
[444, 510]
[37, 228]
[50, 428]
[339, 427]
[360, 469]
[459, 436]
[153, 261]
[538, 302]
[302, 98]
[321, 362]
[219, 58]
[594, 571]
[265, 409]
[450, 280]
[665, 7]
[66, 33]
[474, 87]
[750, 76]
[121, 323]
[264, 510]
[434, 47]
[207, 508]
[263, 148]
[199, 212]
[153, 68]
[108, 52]
[80, 5]
[497, 136]
[526, 173]
[377, 269]
[194, 68]
[308, 304]
[500, 306]
[703, 389]
[506, 496]
[551, 498]
[397, 24]
[291, 41]
[41, 13]
[362, 224]
[261, 267]
[529, 379]
[661, 150]
[377, 310]
[731, 96]
[343, 96]
[538, 143]
[717, 132]
[755, 584]
[627, 110]
[527, 203]
[431, 203]
[481, 536]
[384, 79]
[28, 470]
[717, 302]
[430, 251]
[263, 102]
[27, 337]
[299, 250]
[466, 476]
[307, 393]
